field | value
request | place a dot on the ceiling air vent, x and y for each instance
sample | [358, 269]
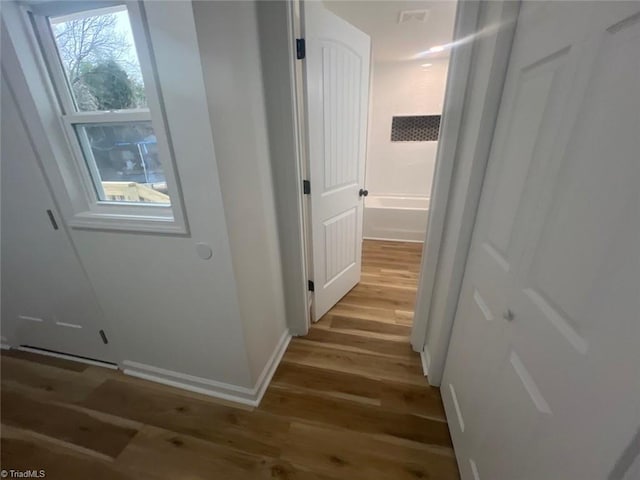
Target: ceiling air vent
[407, 16]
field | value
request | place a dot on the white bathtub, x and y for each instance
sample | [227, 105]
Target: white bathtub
[396, 218]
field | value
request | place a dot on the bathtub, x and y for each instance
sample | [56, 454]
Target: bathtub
[397, 218]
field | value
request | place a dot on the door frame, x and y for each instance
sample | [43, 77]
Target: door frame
[278, 26]
[457, 180]
[477, 71]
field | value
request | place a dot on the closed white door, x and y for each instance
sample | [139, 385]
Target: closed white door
[337, 94]
[542, 376]
[47, 301]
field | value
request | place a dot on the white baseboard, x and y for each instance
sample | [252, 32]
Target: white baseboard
[205, 386]
[396, 239]
[272, 365]
[425, 359]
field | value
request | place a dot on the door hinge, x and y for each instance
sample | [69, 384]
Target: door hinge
[306, 187]
[312, 287]
[52, 219]
[103, 336]
[300, 48]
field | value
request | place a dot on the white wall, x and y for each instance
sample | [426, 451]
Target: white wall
[214, 323]
[166, 307]
[230, 53]
[402, 88]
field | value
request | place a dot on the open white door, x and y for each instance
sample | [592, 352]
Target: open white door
[337, 95]
[541, 379]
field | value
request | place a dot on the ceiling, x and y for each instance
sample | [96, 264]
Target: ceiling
[393, 41]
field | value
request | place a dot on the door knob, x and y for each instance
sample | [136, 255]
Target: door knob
[508, 315]
[363, 192]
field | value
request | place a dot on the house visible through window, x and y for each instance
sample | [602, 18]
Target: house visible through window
[97, 74]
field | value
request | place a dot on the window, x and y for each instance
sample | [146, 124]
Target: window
[100, 66]
[95, 52]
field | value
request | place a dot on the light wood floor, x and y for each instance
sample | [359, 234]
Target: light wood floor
[348, 402]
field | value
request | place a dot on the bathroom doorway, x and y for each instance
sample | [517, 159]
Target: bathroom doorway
[409, 65]
[410, 43]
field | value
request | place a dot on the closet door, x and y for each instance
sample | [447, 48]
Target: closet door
[541, 379]
[47, 301]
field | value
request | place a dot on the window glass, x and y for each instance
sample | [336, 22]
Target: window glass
[123, 161]
[99, 58]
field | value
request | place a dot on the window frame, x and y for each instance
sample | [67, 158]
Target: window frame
[82, 184]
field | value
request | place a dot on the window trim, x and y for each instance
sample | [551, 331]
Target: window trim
[87, 210]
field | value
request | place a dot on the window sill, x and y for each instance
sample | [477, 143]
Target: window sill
[128, 223]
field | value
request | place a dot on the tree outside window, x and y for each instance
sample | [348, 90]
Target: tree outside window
[100, 61]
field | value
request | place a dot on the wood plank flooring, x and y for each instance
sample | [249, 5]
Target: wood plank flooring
[349, 401]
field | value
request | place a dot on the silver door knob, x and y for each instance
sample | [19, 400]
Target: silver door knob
[508, 315]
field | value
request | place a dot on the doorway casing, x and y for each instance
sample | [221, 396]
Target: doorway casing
[477, 72]
[482, 37]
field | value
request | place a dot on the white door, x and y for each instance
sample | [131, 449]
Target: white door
[47, 301]
[542, 376]
[337, 94]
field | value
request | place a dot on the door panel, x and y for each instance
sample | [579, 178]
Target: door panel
[341, 72]
[340, 238]
[535, 93]
[550, 391]
[337, 94]
[47, 301]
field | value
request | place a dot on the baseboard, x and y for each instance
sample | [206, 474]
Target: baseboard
[212, 388]
[272, 365]
[425, 359]
[367, 237]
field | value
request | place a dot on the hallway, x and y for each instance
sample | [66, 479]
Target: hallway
[349, 401]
